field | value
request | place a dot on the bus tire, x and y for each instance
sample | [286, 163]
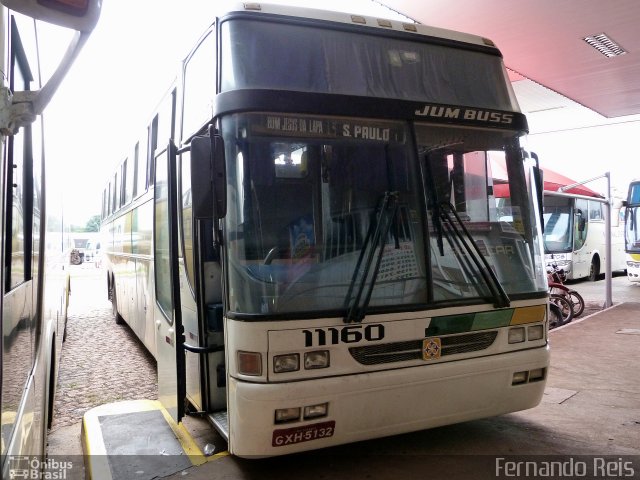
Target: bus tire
[66, 309]
[114, 304]
[594, 270]
[51, 394]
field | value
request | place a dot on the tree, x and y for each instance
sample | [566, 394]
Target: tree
[93, 224]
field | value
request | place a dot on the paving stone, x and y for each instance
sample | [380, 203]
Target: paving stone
[101, 362]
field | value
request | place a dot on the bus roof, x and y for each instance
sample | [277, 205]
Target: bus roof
[357, 19]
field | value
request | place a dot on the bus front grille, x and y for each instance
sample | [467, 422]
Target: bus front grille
[412, 349]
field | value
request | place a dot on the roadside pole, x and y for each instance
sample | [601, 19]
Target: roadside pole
[607, 231]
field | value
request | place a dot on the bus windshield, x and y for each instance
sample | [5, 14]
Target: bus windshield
[326, 60]
[558, 224]
[632, 220]
[322, 207]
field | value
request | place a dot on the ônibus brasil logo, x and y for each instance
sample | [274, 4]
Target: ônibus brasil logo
[37, 468]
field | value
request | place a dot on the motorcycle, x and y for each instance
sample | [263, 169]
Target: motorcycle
[565, 302]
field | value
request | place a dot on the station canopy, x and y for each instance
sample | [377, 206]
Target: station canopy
[553, 181]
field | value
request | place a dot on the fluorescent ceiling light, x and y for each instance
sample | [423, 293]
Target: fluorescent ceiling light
[605, 45]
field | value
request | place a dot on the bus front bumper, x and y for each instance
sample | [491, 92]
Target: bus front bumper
[379, 404]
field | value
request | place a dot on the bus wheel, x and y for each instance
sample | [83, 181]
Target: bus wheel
[114, 305]
[594, 271]
[52, 388]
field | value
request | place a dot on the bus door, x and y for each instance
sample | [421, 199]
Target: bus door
[581, 256]
[167, 309]
[202, 311]
[632, 215]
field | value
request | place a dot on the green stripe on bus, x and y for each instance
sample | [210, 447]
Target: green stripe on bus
[495, 319]
[450, 324]
[467, 322]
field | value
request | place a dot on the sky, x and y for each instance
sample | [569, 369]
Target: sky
[107, 98]
[588, 152]
[133, 56]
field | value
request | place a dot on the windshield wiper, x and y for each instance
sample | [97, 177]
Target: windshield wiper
[376, 237]
[436, 214]
[448, 213]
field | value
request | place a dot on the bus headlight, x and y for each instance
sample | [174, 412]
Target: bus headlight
[319, 359]
[535, 332]
[286, 363]
[516, 335]
[316, 411]
[284, 415]
[519, 378]
[536, 375]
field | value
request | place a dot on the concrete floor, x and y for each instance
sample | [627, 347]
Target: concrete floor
[591, 406]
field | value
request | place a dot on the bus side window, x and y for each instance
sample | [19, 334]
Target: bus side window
[17, 222]
[595, 211]
[581, 223]
[187, 217]
[199, 86]
[19, 188]
[166, 119]
[151, 150]
[124, 169]
[129, 184]
[104, 204]
[140, 168]
[108, 206]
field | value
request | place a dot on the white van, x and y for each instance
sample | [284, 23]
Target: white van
[92, 251]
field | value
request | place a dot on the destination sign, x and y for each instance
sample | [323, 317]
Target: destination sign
[314, 127]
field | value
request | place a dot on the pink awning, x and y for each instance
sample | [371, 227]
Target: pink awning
[552, 181]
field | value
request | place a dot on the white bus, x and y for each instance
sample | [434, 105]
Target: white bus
[632, 236]
[32, 245]
[306, 236]
[574, 234]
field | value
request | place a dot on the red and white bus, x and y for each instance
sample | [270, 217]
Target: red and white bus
[575, 229]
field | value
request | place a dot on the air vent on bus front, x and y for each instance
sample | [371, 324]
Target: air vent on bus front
[412, 349]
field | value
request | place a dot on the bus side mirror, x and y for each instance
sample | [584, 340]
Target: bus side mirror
[538, 178]
[208, 177]
[582, 222]
[79, 15]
